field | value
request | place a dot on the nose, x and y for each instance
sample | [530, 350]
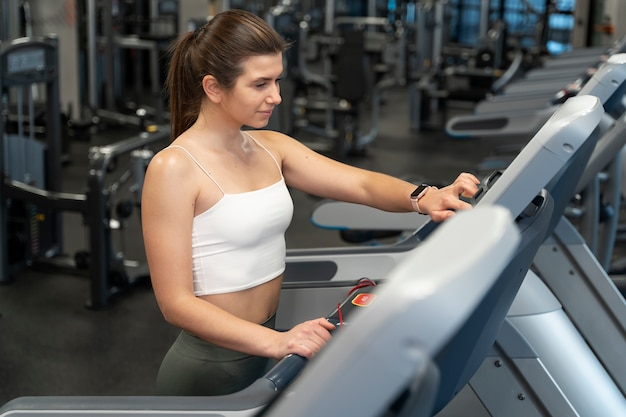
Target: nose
[274, 96]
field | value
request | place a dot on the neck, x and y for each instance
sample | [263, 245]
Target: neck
[222, 131]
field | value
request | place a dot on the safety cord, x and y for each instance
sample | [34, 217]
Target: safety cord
[362, 283]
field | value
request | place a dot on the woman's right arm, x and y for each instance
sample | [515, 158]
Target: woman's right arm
[168, 202]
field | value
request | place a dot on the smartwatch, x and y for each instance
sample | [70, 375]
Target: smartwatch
[416, 195]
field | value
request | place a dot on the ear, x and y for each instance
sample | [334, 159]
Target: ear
[212, 88]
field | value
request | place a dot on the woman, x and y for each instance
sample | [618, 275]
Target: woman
[215, 207]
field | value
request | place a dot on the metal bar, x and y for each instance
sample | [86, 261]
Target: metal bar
[12, 189]
[99, 243]
[92, 60]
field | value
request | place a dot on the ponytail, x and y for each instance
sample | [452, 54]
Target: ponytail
[183, 85]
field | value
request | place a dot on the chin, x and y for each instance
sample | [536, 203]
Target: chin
[258, 125]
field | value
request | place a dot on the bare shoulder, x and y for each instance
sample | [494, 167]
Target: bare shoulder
[171, 172]
[170, 183]
[171, 160]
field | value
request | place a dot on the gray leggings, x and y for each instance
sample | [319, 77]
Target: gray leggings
[195, 367]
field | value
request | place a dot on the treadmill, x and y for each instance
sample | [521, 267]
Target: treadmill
[516, 189]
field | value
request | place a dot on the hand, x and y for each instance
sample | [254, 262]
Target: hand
[441, 204]
[306, 339]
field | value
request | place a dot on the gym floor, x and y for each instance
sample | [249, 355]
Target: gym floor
[50, 344]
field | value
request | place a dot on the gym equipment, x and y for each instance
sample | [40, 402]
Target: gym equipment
[608, 84]
[109, 272]
[36, 186]
[541, 159]
[360, 57]
[143, 29]
[536, 216]
[474, 64]
[425, 68]
[536, 95]
[385, 362]
[567, 297]
[545, 372]
[568, 311]
[587, 310]
[460, 358]
[514, 118]
[568, 128]
[540, 82]
[527, 372]
[521, 124]
[26, 65]
[584, 56]
[598, 192]
[576, 300]
[428, 293]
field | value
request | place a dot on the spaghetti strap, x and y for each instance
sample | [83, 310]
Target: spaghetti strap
[266, 150]
[199, 166]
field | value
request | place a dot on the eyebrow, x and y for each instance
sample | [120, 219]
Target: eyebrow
[267, 79]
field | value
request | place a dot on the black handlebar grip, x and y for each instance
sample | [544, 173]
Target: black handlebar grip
[286, 370]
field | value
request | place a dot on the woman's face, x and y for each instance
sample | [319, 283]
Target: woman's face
[256, 92]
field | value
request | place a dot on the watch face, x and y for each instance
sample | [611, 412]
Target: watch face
[419, 191]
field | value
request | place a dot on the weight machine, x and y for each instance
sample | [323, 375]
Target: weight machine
[358, 58]
[113, 32]
[31, 199]
[27, 157]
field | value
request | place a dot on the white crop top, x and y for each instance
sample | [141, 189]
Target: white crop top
[239, 243]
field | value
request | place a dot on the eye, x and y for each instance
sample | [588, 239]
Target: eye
[265, 83]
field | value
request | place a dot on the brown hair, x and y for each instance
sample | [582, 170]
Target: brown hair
[216, 49]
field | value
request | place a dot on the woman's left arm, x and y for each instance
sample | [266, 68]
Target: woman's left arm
[316, 174]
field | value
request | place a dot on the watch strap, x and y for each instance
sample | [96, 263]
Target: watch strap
[416, 197]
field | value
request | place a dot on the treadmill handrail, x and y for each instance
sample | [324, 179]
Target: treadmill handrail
[566, 131]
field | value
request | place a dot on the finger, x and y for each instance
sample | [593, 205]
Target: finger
[318, 331]
[470, 177]
[441, 215]
[468, 194]
[447, 214]
[314, 344]
[325, 324]
[304, 350]
[469, 182]
[321, 335]
[474, 179]
[306, 347]
[455, 204]
[466, 190]
[463, 206]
